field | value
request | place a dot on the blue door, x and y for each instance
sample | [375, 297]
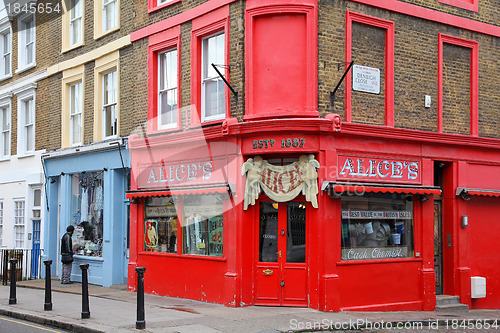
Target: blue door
[35, 254]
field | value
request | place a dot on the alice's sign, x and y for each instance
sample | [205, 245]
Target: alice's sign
[370, 253]
[281, 183]
[368, 168]
[185, 173]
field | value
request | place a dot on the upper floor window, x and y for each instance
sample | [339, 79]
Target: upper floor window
[472, 5]
[26, 48]
[167, 89]
[28, 121]
[75, 113]
[5, 52]
[109, 14]
[5, 118]
[213, 104]
[75, 22]
[109, 104]
[154, 5]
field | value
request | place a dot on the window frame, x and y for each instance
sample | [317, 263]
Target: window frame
[71, 76]
[205, 26]
[78, 113]
[24, 94]
[100, 28]
[160, 91]
[6, 31]
[16, 224]
[72, 10]
[104, 65]
[155, 5]
[66, 27]
[389, 27]
[160, 43]
[472, 5]
[114, 105]
[5, 106]
[23, 46]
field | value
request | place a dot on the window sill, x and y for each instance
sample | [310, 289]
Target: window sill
[25, 68]
[3, 159]
[89, 258]
[378, 261]
[26, 155]
[167, 129]
[207, 123]
[183, 256]
[73, 47]
[6, 77]
[107, 32]
[156, 8]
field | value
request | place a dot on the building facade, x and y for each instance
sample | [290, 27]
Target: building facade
[88, 118]
[336, 155]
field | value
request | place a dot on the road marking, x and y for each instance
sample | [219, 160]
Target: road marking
[18, 322]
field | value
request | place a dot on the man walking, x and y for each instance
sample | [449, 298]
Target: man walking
[67, 255]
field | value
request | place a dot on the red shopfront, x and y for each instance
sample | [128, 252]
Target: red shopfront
[310, 216]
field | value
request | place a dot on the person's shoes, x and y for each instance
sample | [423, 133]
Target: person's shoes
[70, 282]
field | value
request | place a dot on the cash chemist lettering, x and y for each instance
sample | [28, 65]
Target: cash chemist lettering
[355, 167]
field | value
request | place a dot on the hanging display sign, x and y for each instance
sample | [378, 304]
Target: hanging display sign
[366, 79]
[151, 234]
[185, 173]
[369, 253]
[281, 183]
[382, 169]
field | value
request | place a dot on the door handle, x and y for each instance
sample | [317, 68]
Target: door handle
[279, 254]
[283, 232]
[267, 272]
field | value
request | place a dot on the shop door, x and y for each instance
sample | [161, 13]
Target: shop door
[438, 246]
[281, 267]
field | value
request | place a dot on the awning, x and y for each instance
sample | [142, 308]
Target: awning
[176, 192]
[466, 192]
[339, 187]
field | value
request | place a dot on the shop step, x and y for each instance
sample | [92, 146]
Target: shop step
[448, 303]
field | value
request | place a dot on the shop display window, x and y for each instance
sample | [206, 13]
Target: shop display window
[377, 226]
[160, 224]
[87, 203]
[202, 225]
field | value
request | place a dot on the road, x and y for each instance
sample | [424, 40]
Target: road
[12, 325]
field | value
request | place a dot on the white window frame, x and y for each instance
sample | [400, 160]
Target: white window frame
[162, 2]
[1, 222]
[24, 94]
[107, 5]
[169, 75]
[75, 110]
[23, 43]
[208, 74]
[6, 133]
[113, 105]
[19, 223]
[75, 17]
[5, 52]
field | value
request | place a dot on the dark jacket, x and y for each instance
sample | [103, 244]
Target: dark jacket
[67, 245]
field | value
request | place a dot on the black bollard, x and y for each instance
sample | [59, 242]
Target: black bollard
[85, 292]
[13, 276]
[140, 324]
[48, 292]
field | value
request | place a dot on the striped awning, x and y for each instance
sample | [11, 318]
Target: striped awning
[464, 191]
[178, 192]
[338, 187]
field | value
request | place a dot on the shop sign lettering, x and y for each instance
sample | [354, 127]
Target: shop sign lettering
[196, 172]
[379, 215]
[285, 143]
[370, 253]
[160, 211]
[355, 167]
[281, 183]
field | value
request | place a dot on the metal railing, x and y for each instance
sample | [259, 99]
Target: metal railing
[29, 264]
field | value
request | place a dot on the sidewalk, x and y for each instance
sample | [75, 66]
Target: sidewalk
[115, 310]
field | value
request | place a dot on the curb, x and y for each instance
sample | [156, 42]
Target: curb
[50, 322]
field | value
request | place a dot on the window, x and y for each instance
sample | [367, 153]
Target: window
[202, 225]
[377, 226]
[26, 42]
[201, 228]
[167, 89]
[75, 22]
[5, 118]
[87, 202]
[19, 223]
[1, 222]
[154, 5]
[109, 114]
[212, 86]
[75, 113]
[472, 5]
[160, 225]
[28, 125]
[5, 53]
[109, 14]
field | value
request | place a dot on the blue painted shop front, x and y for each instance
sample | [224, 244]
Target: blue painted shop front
[87, 190]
